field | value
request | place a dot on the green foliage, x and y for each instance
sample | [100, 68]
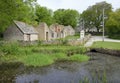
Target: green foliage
[79, 58]
[113, 25]
[77, 36]
[5, 11]
[93, 16]
[104, 78]
[63, 41]
[58, 16]
[44, 15]
[36, 59]
[99, 77]
[41, 55]
[21, 10]
[66, 17]
[58, 48]
[9, 48]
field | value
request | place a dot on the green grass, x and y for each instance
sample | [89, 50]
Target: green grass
[43, 59]
[79, 58]
[36, 60]
[41, 55]
[72, 37]
[109, 45]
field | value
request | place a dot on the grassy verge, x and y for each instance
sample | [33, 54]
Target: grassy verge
[41, 55]
[72, 37]
[109, 45]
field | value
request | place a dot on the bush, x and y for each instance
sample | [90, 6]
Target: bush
[9, 48]
[113, 25]
[63, 41]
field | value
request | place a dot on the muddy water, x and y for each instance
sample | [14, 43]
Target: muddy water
[99, 69]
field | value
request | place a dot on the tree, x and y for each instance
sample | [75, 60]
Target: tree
[71, 17]
[113, 24]
[87, 17]
[44, 15]
[26, 11]
[93, 16]
[59, 16]
[66, 17]
[15, 10]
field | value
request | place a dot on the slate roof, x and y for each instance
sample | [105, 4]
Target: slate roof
[25, 28]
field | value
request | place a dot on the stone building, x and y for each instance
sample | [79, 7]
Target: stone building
[20, 31]
[56, 31]
[68, 30]
[43, 32]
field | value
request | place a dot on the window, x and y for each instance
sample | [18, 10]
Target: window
[52, 34]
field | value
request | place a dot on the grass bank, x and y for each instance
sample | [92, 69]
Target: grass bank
[109, 45]
[40, 55]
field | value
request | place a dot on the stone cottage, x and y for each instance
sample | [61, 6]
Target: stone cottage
[72, 31]
[20, 31]
[56, 31]
[43, 32]
[68, 30]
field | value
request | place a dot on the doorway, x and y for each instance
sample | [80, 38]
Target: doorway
[47, 36]
[28, 37]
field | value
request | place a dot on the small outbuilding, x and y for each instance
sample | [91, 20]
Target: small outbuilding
[20, 31]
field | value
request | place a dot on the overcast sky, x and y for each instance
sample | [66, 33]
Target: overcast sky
[79, 5]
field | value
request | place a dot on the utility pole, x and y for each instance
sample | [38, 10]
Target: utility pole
[103, 25]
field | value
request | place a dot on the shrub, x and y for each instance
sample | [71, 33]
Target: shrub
[9, 48]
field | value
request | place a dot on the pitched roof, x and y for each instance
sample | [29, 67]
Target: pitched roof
[25, 28]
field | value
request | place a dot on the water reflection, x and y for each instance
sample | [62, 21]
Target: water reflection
[57, 73]
[8, 72]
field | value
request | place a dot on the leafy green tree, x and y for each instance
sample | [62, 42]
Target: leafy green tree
[44, 15]
[66, 17]
[93, 16]
[59, 16]
[87, 18]
[7, 13]
[113, 24]
[25, 11]
[10, 10]
[71, 17]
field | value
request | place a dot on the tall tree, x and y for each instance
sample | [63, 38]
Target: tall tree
[15, 10]
[59, 16]
[113, 24]
[87, 18]
[26, 11]
[66, 17]
[93, 16]
[71, 17]
[44, 15]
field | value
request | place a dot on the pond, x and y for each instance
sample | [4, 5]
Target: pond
[101, 68]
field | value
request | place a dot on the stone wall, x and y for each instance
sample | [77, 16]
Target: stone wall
[13, 33]
[79, 41]
[73, 42]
